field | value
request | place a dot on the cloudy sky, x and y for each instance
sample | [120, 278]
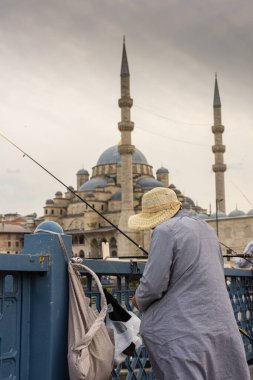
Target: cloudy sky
[59, 87]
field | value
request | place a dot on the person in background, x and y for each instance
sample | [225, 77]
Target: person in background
[188, 325]
[240, 262]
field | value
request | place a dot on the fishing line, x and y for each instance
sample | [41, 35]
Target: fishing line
[93, 208]
[73, 192]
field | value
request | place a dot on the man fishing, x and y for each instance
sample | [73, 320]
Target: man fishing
[188, 325]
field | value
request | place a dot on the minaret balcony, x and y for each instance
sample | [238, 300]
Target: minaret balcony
[126, 126]
[218, 148]
[125, 101]
[219, 168]
[218, 128]
[126, 149]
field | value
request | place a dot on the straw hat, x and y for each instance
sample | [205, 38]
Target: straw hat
[158, 205]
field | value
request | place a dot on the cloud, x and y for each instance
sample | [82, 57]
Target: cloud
[59, 74]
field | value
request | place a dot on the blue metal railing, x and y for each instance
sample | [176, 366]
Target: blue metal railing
[125, 276]
[34, 309]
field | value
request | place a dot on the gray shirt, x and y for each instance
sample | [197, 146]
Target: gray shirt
[188, 323]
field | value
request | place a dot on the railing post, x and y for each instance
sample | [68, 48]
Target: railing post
[48, 309]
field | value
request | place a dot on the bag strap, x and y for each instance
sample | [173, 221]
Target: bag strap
[101, 316]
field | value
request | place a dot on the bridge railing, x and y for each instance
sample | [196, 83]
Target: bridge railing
[34, 308]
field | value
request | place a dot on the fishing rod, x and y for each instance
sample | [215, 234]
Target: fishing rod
[241, 255]
[74, 192]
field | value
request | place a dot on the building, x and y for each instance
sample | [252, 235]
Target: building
[12, 237]
[117, 183]
[115, 187]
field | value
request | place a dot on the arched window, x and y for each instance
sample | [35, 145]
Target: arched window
[81, 239]
[113, 247]
[81, 254]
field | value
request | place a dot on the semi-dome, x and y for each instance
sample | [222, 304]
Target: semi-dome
[162, 170]
[93, 183]
[149, 182]
[112, 156]
[82, 171]
[220, 214]
[236, 212]
[189, 200]
[201, 216]
[49, 202]
[116, 196]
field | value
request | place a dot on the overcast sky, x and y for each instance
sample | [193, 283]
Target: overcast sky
[60, 84]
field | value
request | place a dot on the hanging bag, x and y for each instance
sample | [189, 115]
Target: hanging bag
[90, 347]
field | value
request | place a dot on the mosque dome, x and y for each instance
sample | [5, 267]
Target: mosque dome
[49, 202]
[236, 212]
[112, 156]
[162, 170]
[149, 182]
[82, 172]
[201, 216]
[186, 205]
[58, 194]
[220, 215]
[93, 183]
[116, 196]
[189, 200]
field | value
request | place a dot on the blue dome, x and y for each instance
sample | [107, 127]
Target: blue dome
[220, 215]
[93, 183]
[49, 202]
[49, 225]
[162, 170]
[116, 196]
[112, 156]
[201, 216]
[82, 171]
[149, 182]
[236, 212]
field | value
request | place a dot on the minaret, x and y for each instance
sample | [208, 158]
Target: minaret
[126, 149]
[218, 149]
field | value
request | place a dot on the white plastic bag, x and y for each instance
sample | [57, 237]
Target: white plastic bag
[126, 327]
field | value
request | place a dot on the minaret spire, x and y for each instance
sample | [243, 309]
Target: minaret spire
[126, 150]
[218, 149]
[124, 64]
[216, 98]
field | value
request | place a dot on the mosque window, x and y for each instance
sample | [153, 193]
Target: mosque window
[46, 211]
[81, 254]
[9, 244]
[60, 211]
[114, 254]
[102, 207]
[113, 247]
[81, 239]
[52, 212]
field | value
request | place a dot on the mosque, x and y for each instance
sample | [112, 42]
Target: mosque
[117, 183]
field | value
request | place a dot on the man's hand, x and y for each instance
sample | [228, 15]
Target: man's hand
[134, 303]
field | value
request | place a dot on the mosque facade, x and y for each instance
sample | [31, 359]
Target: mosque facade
[117, 183]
